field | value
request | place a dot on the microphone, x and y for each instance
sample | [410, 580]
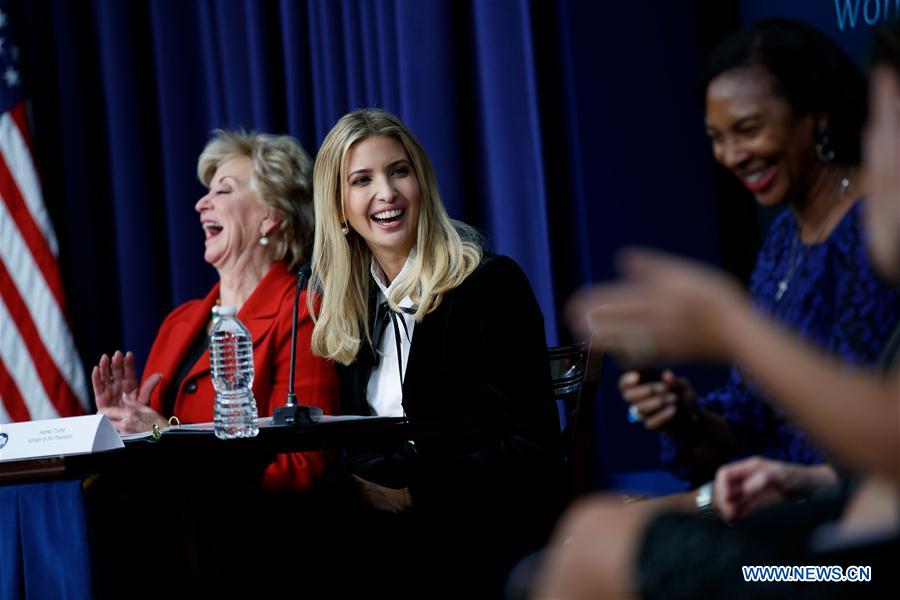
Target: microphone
[293, 413]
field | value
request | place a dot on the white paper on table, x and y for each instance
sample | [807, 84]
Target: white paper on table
[56, 437]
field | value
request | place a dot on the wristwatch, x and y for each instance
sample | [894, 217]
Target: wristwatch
[704, 499]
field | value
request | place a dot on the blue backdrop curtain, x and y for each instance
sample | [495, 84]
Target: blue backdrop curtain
[562, 129]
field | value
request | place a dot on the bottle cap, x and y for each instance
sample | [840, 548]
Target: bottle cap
[227, 311]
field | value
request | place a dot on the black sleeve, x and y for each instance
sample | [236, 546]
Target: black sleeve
[496, 328]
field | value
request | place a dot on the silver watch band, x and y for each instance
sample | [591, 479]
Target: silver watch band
[704, 499]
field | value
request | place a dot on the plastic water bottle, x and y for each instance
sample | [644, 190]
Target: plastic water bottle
[231, 362]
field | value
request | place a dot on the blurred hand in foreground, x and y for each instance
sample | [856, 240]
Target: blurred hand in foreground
[663, 308]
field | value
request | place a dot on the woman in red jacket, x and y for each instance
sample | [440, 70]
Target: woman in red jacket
[258, 221]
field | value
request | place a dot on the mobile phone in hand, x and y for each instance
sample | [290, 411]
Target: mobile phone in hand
[649, 375]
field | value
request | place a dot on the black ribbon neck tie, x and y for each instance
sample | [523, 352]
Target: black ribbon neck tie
[385, 314]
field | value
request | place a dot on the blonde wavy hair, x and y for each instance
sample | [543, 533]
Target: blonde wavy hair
[281, 177]
[447, 251]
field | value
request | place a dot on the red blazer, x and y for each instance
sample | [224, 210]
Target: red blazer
[267, 315]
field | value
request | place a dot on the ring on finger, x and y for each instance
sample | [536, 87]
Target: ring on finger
[634, 415]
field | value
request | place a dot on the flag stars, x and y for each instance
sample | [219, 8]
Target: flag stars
[2, 19]
[11, 76]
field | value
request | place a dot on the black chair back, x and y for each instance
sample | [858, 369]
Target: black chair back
[574, 374]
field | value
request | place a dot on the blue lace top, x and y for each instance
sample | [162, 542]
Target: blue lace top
[834, 300]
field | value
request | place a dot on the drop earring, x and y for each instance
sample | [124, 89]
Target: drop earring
[824, 148]
[345, 229]
[264, 241]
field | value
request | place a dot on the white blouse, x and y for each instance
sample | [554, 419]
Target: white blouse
[384, 392]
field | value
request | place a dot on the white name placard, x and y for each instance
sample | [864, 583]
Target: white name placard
[54, 437]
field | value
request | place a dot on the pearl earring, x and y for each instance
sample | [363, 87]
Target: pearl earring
[264, 241]
[344, 229]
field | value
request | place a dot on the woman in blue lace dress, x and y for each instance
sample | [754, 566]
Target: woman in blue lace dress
[784, 110]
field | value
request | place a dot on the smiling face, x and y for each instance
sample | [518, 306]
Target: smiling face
[755, 134]
[233, 216]
[882, 160]
[381, 195]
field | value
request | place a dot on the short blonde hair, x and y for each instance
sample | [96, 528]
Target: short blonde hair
[281, 177]
[446, 251]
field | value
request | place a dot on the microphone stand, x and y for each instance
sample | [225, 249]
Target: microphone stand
[293, 414]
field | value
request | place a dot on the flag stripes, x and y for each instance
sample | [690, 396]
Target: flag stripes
[41, 375]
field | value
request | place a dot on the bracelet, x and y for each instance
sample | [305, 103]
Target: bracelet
[173, 420]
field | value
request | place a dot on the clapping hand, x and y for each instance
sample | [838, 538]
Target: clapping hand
[118, 396]
[664, 307]
[747, 485]
[112, 378]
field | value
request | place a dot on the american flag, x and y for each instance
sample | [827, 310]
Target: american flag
[41, 376]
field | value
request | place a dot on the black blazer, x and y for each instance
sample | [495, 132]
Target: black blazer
[481, 356]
